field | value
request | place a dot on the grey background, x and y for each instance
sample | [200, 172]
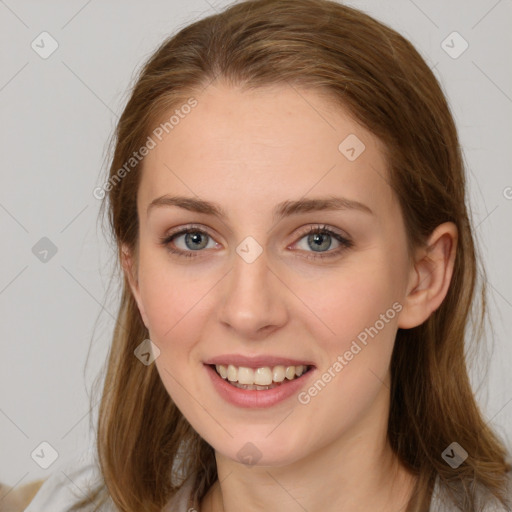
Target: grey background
[57, 115]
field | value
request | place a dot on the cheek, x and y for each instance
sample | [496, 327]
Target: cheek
[359, 311]
[172, 296]
[175, 304]
[356, 310]
[349, 300]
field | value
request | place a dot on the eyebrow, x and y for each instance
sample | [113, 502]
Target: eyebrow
[284, 209]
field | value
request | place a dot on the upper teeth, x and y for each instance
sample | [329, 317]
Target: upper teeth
[261, 376]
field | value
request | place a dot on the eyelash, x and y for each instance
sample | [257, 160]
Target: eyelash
[345, 242]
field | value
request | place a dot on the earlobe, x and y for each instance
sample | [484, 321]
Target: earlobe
[130, 271]
[430, 277]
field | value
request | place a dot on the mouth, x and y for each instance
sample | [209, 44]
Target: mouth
[260, 379]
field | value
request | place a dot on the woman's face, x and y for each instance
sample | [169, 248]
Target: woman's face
[254, 288]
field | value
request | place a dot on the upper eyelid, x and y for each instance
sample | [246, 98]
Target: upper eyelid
[184, 230]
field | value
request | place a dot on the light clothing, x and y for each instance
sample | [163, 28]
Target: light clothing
[71, 482]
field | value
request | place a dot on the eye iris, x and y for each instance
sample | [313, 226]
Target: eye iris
[196, 239]
[316, 240]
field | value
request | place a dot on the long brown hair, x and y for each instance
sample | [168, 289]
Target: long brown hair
[144, 443]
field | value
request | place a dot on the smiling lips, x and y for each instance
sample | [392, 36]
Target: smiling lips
[258, 382]
[258, 372]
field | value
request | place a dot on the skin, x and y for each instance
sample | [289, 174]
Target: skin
[248, 151]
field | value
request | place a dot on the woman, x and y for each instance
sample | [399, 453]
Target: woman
[287, 195]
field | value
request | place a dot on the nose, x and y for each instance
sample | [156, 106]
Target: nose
[254, 302]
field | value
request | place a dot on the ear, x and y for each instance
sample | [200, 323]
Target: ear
[430, 276]
[129, 266]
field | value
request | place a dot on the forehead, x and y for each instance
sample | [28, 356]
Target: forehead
[255, 148]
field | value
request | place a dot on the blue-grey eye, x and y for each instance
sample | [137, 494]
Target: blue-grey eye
[196, 240]
[319, 242]
[188, 241]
